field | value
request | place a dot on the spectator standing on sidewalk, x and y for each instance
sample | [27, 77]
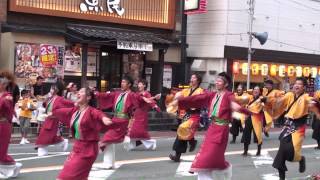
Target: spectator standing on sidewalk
[25, 115]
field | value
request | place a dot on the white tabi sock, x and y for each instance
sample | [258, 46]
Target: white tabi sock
[205, 175]
[225, 174]
[42, 151]
[109, 157]
[151, 143]
[10, 171]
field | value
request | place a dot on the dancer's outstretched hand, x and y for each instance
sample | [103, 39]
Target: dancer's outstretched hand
[106, 121]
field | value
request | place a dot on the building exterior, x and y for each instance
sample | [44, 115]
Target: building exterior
[94, 42]
[218, 40]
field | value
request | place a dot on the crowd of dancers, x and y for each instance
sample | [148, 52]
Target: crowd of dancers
[252, 112]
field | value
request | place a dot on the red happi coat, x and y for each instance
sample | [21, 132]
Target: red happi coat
[138, 128]
[6, 114]
[119, 128]
[211, 154]
[48, 133]
[85, 150]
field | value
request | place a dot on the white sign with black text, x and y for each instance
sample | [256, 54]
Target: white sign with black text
[136, 46]
[93, 5]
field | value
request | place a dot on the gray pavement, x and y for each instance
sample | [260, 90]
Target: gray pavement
[144, 165]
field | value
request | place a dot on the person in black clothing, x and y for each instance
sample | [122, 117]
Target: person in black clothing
[38, 91]
[39, 88]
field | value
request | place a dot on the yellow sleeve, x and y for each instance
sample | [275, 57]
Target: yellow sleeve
[317, 95]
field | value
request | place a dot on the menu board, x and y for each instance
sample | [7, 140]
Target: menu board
[33, 60]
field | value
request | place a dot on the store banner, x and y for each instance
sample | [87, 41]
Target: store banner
[135, 46]
[33, 60]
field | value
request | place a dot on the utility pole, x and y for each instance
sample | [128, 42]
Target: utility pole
[184, 19]
[251, 16]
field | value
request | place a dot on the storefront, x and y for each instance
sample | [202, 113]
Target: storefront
[281, 67]
[90, 42]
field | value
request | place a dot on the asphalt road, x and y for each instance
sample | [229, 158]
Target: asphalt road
[143, 164]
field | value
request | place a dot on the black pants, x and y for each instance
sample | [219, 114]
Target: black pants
[248, 129]
[285, 153]
[316, 129]
[181, 146]
[236, 127]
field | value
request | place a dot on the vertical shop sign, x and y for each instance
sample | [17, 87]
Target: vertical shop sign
[167, 76]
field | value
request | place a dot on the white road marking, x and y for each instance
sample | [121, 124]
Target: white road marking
[263, 160]
[98, 173]
[134, 161]
[183, 168]
[271, 176]
[19, 154]
[42, 157]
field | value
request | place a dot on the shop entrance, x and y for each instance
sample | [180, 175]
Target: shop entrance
[114, 64]
[110, 69]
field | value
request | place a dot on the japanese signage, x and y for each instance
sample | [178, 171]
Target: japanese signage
[167, 76]
[281, 70]
[136, 46]
[33, 60]
[113, 6]
[48, 55]
[195, 6]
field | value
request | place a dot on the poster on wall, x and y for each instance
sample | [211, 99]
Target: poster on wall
[133, 66]
[92, 62]
[33, 60]
[72, 59]
[167, 76]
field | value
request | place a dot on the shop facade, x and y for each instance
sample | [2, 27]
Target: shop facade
[219, 37]
[280, 67]
[91, 43]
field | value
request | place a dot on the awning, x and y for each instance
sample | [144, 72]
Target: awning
[108, 33]
[92, 34]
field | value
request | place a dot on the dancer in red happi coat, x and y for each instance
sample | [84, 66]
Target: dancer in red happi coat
[123, 104]
[85, 122]
[210, 161]
[49, 131]
[138, 127]
[8, 167]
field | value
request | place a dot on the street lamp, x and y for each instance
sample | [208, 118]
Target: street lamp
[261, 37]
